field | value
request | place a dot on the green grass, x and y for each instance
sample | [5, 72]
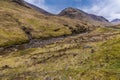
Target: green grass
[12, 18]
[63, 60]
[76, 63]
[107, 60]
[44, 28]
[66, 60]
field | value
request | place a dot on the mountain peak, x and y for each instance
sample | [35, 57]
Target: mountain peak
[71, 9]
[72, 13]
[75, 13]
[115, 21]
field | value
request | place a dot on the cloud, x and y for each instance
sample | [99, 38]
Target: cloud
[110, 9]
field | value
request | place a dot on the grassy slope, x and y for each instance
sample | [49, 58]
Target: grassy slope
[64, 60]
[14, 16]
[67, 59]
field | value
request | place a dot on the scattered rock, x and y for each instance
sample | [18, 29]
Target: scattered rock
[34, 58]
[87, 47]
[1, 49]
[48, 78]
[27, 31]
[56, 29]
[6, 67]
[92, 50]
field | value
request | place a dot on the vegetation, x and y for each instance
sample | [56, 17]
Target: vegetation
[93, 55]
[14, 17]
[66, 59]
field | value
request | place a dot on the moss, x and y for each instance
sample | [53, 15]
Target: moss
[105, 30]
[44, 29]
[13, 36]
[106, 60]
[24, 52]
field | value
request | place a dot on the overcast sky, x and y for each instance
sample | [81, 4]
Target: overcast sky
[109, 9]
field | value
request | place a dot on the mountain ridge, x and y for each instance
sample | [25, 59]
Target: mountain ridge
[39, 9]
[115, 21]
[71, 13]
[75, 13]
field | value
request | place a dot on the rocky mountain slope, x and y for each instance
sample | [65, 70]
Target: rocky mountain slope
[115, 21]
[38, 46]
[81, 15]
[27, 23]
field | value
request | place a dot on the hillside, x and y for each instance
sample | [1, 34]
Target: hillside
[39, 9]
[83, 16]
[25, 21]
[38, 46]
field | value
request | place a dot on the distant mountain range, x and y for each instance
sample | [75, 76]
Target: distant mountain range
[115, 21]
[70, 12]
[74, 13]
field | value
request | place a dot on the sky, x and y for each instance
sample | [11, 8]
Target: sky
[110, 9]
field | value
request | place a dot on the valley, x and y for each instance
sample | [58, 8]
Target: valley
[73, 45]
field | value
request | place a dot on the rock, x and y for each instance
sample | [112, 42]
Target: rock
[92, 50]
[85, 47]
[1, 49]
[48, 78]
[6, 67]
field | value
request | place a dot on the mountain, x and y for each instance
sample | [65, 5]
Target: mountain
[81, 15]
[29, 21]
[38, 46]
[39, 9]
[69, 12]
[26, 4]
[20, 2]
[98, 18]
[115, 21]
